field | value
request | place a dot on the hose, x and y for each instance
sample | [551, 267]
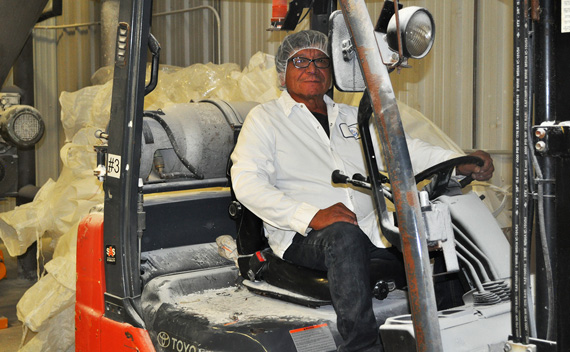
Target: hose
[197, 174]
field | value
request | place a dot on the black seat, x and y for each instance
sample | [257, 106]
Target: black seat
[257, 262]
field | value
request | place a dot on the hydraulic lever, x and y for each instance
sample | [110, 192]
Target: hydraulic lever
[357, 179]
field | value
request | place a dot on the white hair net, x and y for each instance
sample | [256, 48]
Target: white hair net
[293, 43]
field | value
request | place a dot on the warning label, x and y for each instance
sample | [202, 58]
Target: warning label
[316, 338]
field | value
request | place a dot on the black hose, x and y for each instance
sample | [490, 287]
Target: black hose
[197, 174]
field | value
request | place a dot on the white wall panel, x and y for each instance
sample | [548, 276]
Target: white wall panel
[494, 85]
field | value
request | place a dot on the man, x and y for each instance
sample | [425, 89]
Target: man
[282, 166]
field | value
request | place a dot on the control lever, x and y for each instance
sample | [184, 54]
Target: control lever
[357, 179]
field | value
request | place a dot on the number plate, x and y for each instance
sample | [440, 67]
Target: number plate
[114, 165]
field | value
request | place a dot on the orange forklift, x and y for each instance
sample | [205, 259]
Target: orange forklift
[153, 275]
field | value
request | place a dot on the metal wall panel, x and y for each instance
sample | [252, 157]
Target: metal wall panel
[64, 60]
[187, 37]
[46, 101]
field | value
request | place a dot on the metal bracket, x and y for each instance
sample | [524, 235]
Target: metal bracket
[511, 346]
[439, 230]
[552, 139]
[347, 50]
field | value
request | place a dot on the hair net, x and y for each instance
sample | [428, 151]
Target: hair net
[293, 43]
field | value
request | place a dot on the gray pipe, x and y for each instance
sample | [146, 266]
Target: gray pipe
[109, 23]
[389, 126]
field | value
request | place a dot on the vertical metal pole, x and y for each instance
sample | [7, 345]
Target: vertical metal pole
[562, 265]
[123, 282]
[389, 125]
[521, 99]
[24, 79]
[545, 109]
[562, 250]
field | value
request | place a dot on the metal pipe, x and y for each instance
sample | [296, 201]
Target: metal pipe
[205, 7]
[72, 25]
[389, 126]
[24, 79]
[521, 99]
[545, 110]
[109, 23]
[508, 152]
[562, 249]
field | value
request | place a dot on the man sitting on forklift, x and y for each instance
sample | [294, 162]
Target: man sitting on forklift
[282, 165]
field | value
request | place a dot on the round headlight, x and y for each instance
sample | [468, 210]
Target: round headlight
[21, 126]
[417, 30]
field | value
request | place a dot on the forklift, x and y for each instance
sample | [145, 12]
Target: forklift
[153, 272]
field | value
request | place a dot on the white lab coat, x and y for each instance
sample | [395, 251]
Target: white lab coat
[283, 161]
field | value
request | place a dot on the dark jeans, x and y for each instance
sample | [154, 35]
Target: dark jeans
[344, 251]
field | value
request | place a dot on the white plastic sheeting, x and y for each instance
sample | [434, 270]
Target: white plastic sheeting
[48, 307]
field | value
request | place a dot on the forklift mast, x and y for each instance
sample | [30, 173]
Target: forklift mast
[122, 217]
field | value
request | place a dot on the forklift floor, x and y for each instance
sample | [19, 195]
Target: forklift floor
[208, 308]
[11, 290]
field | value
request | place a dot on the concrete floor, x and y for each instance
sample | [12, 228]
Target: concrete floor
[11, 290]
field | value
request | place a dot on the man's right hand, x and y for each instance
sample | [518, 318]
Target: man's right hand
[335, 213]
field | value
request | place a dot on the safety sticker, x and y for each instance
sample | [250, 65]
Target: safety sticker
[316, 338]
[114, 165]
[110, 254]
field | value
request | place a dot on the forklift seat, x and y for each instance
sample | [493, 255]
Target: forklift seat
[257, 262]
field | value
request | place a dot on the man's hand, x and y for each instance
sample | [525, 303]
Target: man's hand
[335, 213]
[478, 173]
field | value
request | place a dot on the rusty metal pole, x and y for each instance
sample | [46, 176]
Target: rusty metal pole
[389, 125]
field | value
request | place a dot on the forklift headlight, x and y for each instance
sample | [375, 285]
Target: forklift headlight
[21, 126]
[417, 30]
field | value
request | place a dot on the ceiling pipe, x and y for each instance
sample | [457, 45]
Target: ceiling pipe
[109, 23]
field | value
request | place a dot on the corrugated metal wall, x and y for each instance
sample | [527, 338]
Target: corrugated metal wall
[66, 54]
[464, 85]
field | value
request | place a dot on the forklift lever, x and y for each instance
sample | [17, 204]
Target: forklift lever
[154, 47]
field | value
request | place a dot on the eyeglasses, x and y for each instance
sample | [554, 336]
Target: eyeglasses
[303, 62]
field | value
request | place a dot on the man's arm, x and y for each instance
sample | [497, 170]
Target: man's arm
[478, 173]
[425, 155]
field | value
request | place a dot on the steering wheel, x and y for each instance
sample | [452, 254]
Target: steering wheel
[441, 174]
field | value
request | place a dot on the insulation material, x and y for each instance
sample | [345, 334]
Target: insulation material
[48, 307]
[59, 336]
[60, 205]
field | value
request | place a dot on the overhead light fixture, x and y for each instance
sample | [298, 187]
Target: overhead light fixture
[417, 31]
[21, 126]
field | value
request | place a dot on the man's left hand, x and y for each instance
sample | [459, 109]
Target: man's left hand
[478, 173]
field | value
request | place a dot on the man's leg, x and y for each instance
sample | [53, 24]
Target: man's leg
[343, 250]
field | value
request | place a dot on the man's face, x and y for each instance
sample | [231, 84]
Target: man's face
[304, 83]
